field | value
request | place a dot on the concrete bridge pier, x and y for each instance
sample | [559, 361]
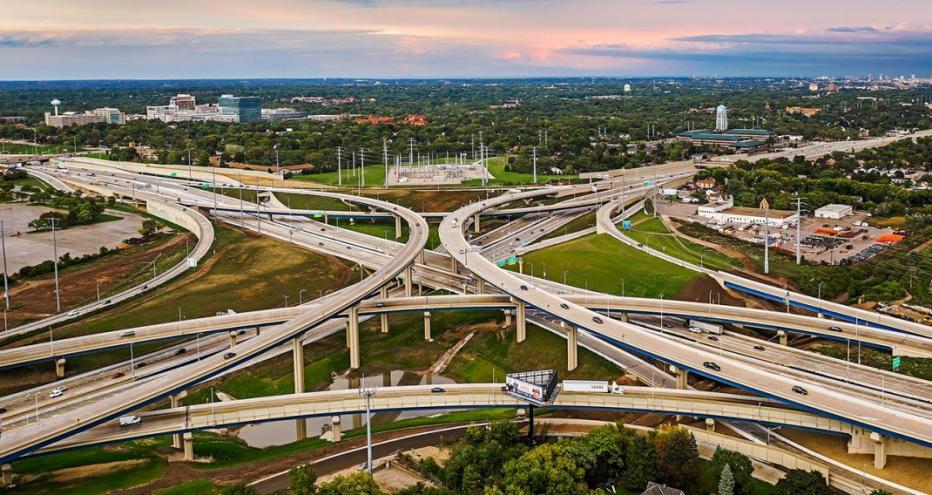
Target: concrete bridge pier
[623, 317]
[60, 368]
[682, 377]
[300, 429]
[572, 336]
[507, 317]
[409, 281]
[480, 286]
[783, 337]
[297, 357]
[336, 434]
[175, 401]
[880, 450]
[232, 338]
[520, 322]
[397, 227]
[383, 318]
[427, 326]
[710, 424]
[475, 223]
[521, 267]
[7, 472]
[352, 336]
[188, 438]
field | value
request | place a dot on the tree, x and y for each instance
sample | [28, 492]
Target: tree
[238, 489]
[358, 483]
[880, 492]
[640, 463]
[726, 482]
[799, 482]
[149, 227]
[606, 443]
[677, 457]
[550, 469]
[301, 480]
[739, 464]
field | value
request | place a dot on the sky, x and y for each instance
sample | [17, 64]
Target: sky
[168, 39]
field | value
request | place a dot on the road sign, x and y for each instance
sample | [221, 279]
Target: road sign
[648, 183]
[173, 174]
[896, 362]
[626, 224]
[512, 260]
[501, 262]
[318, 214]
[192, 262]
[205, 185]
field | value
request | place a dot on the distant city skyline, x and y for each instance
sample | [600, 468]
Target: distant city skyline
[107, 39]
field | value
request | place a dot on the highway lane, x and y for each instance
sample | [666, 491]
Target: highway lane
[29, 438]
[873, 416]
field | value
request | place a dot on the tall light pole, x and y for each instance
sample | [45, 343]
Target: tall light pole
[339, 166]
[277, 165]
[799, 222]
[367, 394]
[534, 160]
[6, 285]
[55, 261]
[190, 175]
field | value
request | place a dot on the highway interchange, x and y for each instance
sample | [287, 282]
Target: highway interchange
[464, 266]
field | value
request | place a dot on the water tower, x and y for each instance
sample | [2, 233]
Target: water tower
[55, 103]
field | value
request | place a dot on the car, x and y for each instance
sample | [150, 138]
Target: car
[320, 244]
[799, 390]
[640, 245]
[181, 351]
[597, 320]
[118, 374]
[229, 355]
[564, 306]
[144, 287]
[438, 390]
[523, 287]
[712, 366]
[140, 364]
[760, 348]
[713, 338]
[55, 393]
[667, 325]
[834, 329]
[380, 305]
[2, 410]
[349, 247]
[108, 301]
[130, 420]
[323, 229]
[128, 333]
[693, 330]
[74, 312]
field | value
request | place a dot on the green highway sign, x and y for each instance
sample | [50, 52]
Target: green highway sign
[648, 183]
[318, 214]
[174, 174]
[896, 362]
[205, 185]
[501, 262]
[512, 260]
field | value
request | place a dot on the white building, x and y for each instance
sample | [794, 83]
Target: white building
[627, 88]
[104, 115]
[726, 213]
[835, 212]
[721, 118]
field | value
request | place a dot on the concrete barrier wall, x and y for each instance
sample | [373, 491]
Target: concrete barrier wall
[175, 214]
[181, 171]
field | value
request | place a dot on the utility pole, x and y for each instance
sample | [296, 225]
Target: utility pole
[411, 152]
[534, 151]
[55, 260]
[799, 221]
[767, 240]
[385, 160]
[276, 158]
[362, 168]
[190, 176]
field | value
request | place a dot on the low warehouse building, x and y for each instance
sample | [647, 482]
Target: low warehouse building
[835, 212]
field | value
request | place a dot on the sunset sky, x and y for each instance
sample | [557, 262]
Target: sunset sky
[132, 39]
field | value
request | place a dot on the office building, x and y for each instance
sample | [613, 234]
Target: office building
[280, 114]
[721, 118]
[96, 116]
[241, 108]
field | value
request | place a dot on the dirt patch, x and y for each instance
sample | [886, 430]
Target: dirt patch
[698, 289]
[92, 470]
[420, 200]
[34, 299]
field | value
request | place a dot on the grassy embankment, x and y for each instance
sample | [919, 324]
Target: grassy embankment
[501, 176]
[653, 233]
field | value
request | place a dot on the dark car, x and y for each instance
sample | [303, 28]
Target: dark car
[140, 364]
[834, 329]
[320, 244]
[712, 366]
[322, 229]
[118, 374]
[523, 287]
[597, 320]
[181, 351]
[229, 355]
[564, 306]
[712, 337]
[759, 348]
[800, 390]
[438, 390]
[2, 410]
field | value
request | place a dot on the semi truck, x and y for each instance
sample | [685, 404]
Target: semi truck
[705, 327]
[595, 386]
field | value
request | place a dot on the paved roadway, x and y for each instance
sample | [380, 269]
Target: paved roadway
[818, 397]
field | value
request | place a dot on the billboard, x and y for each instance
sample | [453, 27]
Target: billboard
[525, 390]
[536, 387]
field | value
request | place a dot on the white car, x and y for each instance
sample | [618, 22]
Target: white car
[694, 330]
[130, 420]
[56, 392]
[74, 312]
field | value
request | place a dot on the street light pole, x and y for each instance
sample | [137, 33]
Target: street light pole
[55, 260]
[6, 285]
[301, 296]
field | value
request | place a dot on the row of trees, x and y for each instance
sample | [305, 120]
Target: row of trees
[78, 209]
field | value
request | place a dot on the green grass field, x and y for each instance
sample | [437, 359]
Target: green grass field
[496, 167]
[193, 487]
[603, 262]
[374, 177]
[653, 233]
[28, 149]
[581, 222]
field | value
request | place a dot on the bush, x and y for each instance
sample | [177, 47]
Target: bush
[799, 482]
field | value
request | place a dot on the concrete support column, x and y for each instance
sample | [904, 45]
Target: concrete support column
[520, 323]
[521, 267]
[572, 335]
[383, 318]
[420, 257]
[475, 223]
[820, 315]
[880, 450]
[297, 357]
[60, 368]
[188, 439]
[710, 424]
[175, 401]
[480, 286]
[409, 281]
[453, 265]
[507, 317]
[623, 316]
[353, 331]
[427, 326]
[232, 338]
[682, 377]
[397, 227]
[300, 429]
[258, 330]
[782, 336]
[336, 434]
[7, 472]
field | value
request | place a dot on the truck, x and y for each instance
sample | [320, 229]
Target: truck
[130, 420]
[706, 327]
[595, 386]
